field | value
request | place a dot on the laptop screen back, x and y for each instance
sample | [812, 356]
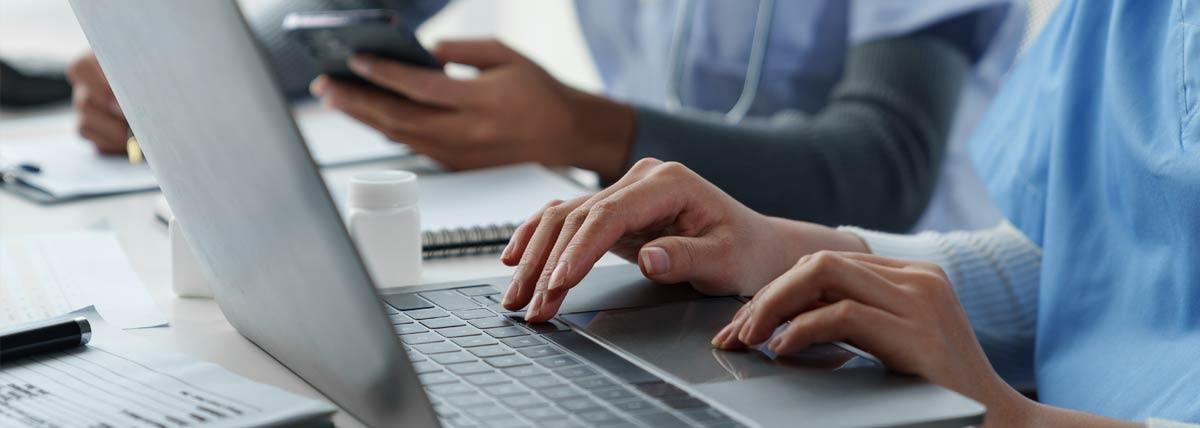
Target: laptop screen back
[215, 128]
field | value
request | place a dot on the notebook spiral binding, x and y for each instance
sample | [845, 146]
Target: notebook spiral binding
[466, 241]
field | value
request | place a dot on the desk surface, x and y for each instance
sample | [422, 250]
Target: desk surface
[197, 326]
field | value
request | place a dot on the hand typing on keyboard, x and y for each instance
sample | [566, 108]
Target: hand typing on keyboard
[674, 224]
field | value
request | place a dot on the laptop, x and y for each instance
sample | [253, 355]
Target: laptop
[214, 125]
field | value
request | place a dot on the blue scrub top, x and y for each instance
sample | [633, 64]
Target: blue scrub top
[630, 42]
[1092, 149]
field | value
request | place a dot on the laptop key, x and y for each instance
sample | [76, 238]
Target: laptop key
[424, 314]
[389, 309]
[419, 338]
[471, 314]
[399, 318]
[524, 371]
[436, 323]
[435, 348]
[415, 357]
[436, 378]
[449, 300]
[509, 422]
[479, 290]
[660, 389]
[558, 361]
[522, 401]
[594, 383]
[578, 404]
[600, 417]
[463, 369]
[539, 351]
[504, 332]
[563, 423]
[486, 378]
[541, 413]
[504, 389]
[473, 341]
[450, 388]
[491, 322]
[559, 393]
[523, 341]
[661, 419]
[550, 326]
[576, 372]
[490, 351]
[458, 331]
[489, 412]
[452, 358]
[506, 361]
[469, 400]
[409, 328]
[636, 406]
[406, 302]
[425, 367]
[614, 394]
[541, 382]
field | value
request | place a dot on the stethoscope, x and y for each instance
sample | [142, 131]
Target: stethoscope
[754, 66]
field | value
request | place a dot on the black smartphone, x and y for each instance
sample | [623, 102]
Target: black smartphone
[331, 37]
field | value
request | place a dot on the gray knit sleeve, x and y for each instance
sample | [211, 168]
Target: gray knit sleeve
[869, 158]
[294, 66]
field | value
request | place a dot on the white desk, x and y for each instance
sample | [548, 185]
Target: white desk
[197, 326]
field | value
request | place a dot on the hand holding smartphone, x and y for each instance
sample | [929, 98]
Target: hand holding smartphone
[332, 37]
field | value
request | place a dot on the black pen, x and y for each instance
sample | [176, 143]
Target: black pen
[41, 337]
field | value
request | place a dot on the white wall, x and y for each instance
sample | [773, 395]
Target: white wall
[545, 30]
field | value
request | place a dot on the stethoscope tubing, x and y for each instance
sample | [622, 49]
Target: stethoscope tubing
[754, 66]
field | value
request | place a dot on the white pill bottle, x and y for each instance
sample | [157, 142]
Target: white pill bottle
[384, 221]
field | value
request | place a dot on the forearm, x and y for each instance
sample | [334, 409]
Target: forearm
[870, 157]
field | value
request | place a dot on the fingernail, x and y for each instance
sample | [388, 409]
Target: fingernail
[719, 339]
[508, 294]
[776, 344]
[318, 86]
[535, 306]
[655, 260]
[361, 64]
[507, 249]
[745, 334]
[558, 278]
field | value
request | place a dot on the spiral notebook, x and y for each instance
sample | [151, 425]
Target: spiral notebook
[476, 212]
[471, 212]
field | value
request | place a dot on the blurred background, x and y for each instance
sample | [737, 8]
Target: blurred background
[40, 37]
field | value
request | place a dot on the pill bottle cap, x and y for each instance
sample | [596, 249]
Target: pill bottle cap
[383, 189]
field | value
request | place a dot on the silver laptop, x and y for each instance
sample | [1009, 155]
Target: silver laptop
[207, 108]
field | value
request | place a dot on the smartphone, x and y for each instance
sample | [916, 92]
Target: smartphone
[331, 37]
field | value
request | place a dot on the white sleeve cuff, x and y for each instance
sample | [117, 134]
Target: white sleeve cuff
[1163, 423]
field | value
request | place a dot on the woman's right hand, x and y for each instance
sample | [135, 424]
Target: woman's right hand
[674, 224]
[100, 118]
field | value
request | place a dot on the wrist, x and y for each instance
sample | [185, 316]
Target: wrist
[806, 238]
[602, 135]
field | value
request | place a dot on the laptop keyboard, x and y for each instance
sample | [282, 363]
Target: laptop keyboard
[483, 366]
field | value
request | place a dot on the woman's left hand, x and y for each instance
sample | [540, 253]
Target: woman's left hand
[905, 313]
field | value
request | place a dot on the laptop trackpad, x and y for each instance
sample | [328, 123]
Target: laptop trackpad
[676, 338]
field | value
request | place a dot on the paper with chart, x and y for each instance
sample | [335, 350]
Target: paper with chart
[46, 275]
[122, 381]
[70, 167]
